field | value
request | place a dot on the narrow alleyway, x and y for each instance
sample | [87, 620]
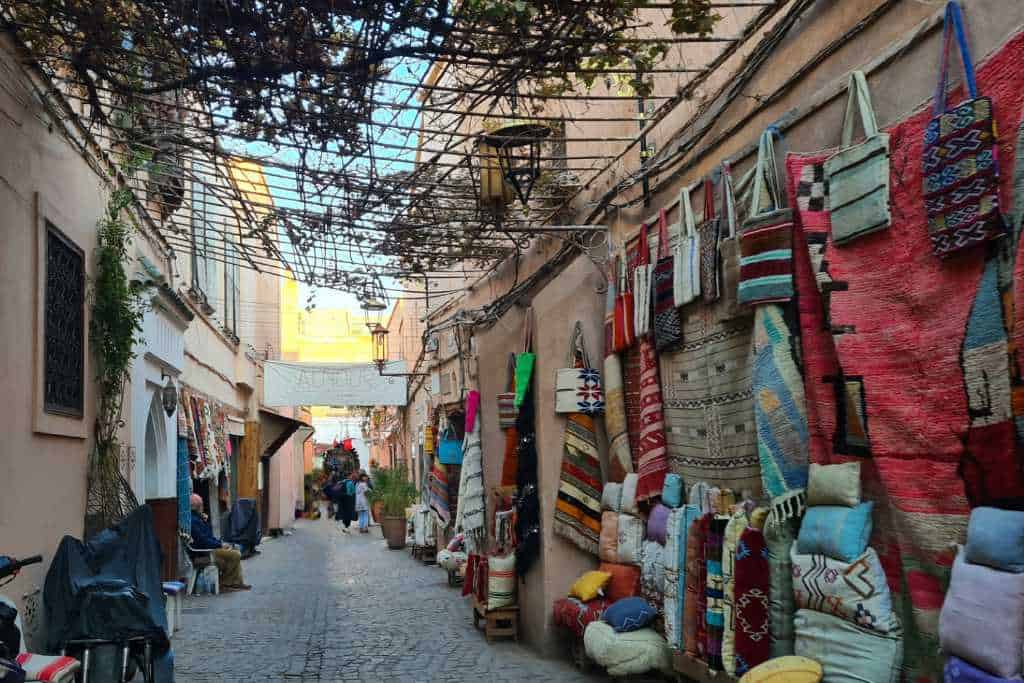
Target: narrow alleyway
[330, 607]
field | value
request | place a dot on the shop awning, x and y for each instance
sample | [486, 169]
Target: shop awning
[275, 429]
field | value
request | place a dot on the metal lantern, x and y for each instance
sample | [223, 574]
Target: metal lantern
[379, 346]
[518, 149]
[169, 397]
[373, 298]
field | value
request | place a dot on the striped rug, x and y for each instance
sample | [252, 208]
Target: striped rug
[578, 506]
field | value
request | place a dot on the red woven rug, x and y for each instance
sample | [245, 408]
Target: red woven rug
[882, 347]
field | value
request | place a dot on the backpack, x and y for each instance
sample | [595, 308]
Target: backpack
[350, 488]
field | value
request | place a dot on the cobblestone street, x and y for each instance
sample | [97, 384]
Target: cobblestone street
[330, 607]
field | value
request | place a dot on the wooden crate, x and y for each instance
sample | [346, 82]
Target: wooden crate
[497, 623]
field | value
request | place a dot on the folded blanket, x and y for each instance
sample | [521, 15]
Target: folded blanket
[48, 669]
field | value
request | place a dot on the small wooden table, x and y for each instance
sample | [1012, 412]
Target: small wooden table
[498, 623]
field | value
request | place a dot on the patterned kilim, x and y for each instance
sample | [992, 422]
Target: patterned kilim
[620, 462]
[751, 591]
[674, 559]
[652, 462]
[733, 531]
[707, 391]
[578, 506]
[898, 318]
[779, 412]
[439, 493]
[714, 609]
[510, 463]
[632, 369]
[695, 597]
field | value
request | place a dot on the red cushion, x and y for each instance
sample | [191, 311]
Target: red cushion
[574, 615]
[625, 581]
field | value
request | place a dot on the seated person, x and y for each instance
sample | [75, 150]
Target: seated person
[228, 560]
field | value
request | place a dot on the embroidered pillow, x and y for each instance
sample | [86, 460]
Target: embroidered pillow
[855, 591]
[629, 494]
[788, 669]
[982, 618]
[837, 532]
[501, 581]
[834, 484]
[629, 614]
[631, 539]
[608, 543]
[574, 615]
[652, 573]
[672, 492]
[625, 581]
[611, 497]
[589, 586]
[995, 538]
[845, 651]
[657, 524]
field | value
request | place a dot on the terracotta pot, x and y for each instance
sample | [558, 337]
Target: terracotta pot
[378, 510]
[394, 531]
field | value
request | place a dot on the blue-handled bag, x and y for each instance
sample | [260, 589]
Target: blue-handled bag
[449, 450]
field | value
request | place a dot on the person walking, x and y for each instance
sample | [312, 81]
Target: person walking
[362, 505]
[347, 501]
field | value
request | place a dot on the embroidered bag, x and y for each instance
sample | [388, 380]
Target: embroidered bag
[858, 175]
[578, 388]
[642, 276]
[507, 411]
[709, 233]
[449, 448]
[766, 242]
[668, 327]
[961, 171]
[686, 259]
[623, 334]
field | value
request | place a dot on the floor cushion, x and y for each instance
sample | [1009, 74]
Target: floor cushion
[856, 591]
[834, 484]
[657, 524]
[982, 618]
[574, 615]
[629, 505]
[608, 543]
[630, 614]
[590, 585]
[959, 671]
[788, 669]
[611, 497]
[626, 654]
[779, 538]
[625, 581]
[652, 574]
[836, 531]
[846, 652]
[501, 581]
[995, 538]
[672, 492]
[451, 560]
[631, 539]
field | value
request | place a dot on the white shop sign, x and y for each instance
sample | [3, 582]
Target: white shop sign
[332, 384]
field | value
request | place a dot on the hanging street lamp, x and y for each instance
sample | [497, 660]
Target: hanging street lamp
[518, 147]
[169, 395]
[379, 352]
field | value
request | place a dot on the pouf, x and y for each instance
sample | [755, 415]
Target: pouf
[789, 669]
[626, 654]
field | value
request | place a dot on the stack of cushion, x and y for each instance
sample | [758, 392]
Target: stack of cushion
[652, 575]
[586, 602]
[845, 618]
[982, 618]
[622, 538]
[623, 641]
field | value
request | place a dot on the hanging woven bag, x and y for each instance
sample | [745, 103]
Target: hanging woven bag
[642, 276]
[686, 259]
[668, 325]
[623, 333]
[578, 386]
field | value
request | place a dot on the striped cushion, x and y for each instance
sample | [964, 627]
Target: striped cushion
[501, 581]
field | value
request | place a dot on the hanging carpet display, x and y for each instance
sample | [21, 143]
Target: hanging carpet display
[439, 493]
[471, 516]
[620, 462]
[898, 319]
[652, 460]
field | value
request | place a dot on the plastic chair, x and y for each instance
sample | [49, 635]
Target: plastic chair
[202, 560]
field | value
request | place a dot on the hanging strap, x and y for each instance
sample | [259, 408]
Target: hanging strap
[857, 89]
[511, 385]
[728, 200]
[687, 222]
[709, 200]
[663, 251]
[954, 25]
[766, 177]
[578, 357]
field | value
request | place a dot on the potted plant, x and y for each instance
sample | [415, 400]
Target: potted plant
[392, 493]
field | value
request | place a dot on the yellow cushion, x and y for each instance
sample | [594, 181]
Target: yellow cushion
[789, 669]
[589, 586]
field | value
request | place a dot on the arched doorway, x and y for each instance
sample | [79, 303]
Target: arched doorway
[155, 448]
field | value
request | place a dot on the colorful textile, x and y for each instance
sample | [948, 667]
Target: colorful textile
[668, 326]
[733, 531]
[578, 503]
[46, 668]
[834, 484]
[686, 259]
[788, 669]
[631, 539]
[471, 514]
[578, 390]
[672, 492]
[625, 581]
[838, 532]
[611, 497]
[439, 493]
[709, 233]
[643, 272]
[960, 159]
[620, 462]
[510, 461]
[959, 671]
[608, 542]
[652, 574]
[695, 600]
[846, 652]
[995, 538]
[501, 581]
[899, 378]
[632, 370]
[628, 500]
[184, 487]
[982, 618]
[674, 559]
[629, 614]
[856, 591]
[657, 524]
[751, 596]
[590, 585]
[779, 540]
[715, 608]
[574, 615]
[779, 412]
[652, 460]
[766, 260]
